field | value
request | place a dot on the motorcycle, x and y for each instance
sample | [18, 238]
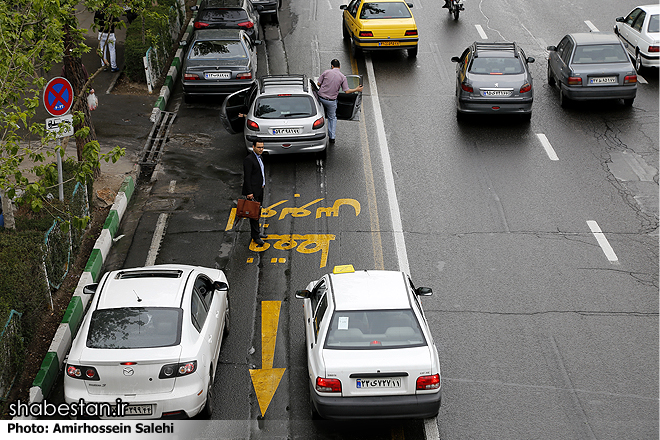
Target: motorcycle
[455, 7]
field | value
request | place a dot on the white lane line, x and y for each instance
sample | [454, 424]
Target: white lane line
[641, 80]
[592, 28]
[547, 147]
[161, 224]
[482, 34]
[172, 186]
[390, 188]
[602, 241]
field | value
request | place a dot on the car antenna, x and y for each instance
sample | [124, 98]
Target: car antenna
[139, 299]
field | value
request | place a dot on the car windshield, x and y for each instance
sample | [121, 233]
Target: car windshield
[374, 329]
[496, 66]
[384, 10]
[654, 24]
[213, 50]
[284, 106]
[135, 327]
[220, 15]
[600, 53]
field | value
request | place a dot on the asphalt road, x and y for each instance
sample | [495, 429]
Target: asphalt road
[543, 333]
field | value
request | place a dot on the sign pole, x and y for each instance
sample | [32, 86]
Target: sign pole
[60, 178]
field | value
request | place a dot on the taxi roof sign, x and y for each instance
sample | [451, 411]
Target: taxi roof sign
[346, 268]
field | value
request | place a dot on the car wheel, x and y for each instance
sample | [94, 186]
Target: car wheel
[279, 5]
[355, 50]
[628, 102]
[412, 52]
[187, 98]
[638, 61]
[551, 79]
[563, 99]
[460, 116]
[344, 31]
[527, 117]
[208, 407]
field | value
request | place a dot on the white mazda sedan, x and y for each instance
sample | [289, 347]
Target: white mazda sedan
[150, 341]
[370, 353]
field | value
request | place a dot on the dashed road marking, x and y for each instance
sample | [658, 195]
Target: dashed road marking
[592, 28]
[547, 147]
[157, 238]
[482, 34]
[602, 241]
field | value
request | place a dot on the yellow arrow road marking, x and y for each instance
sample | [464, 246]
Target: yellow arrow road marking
[267, 379]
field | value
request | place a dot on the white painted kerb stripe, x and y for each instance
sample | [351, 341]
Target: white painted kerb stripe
[161, 224]
[602, 241]
[482, 34]
[547, 147]
[390, 188]
[591, 26]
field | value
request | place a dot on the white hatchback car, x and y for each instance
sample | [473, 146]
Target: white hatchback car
[151, 338]
[370, 353]
[639, 32]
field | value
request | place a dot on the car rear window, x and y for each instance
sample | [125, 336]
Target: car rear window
[654, 24]
[135, 327]
[284, 106]
[222, 15]
[212, 50]
[601, 53]
[496, 66]
[384, 10]
[374, 329]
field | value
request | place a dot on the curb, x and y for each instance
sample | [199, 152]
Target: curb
[75, 312]
[173, 73]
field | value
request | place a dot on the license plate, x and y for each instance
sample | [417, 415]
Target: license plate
[137, 410]
[603, 80]
[388, 43]
[378, 383]
[217, 75]
[496, 93]
[277, 131]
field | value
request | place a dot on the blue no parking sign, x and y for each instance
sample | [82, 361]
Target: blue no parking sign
[58, 96]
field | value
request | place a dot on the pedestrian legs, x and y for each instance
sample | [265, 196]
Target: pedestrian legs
[331, 114]
[107, 44]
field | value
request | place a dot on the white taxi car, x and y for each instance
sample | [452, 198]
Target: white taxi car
[370, 353]
[151, 338]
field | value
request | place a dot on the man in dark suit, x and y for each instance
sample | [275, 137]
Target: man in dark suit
[254, 180]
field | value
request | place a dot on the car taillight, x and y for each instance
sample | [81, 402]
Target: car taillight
[190, 76]
[428, 382]
[324, 385]
[175, 370]
[574, 81]
[246, 24]
[318, 123]
[526, 88]
[244, 75]
[411, 32]
[654, 48]
[366, 34]
[630, 79]
[252, 125]
[467, 88]
[81, 372]
[200, 25]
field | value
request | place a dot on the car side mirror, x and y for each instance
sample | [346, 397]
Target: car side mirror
[343, 7]
[424, 291]
[410, 5]
[90, 289]
[220, 285]
[551, 48]
[620, 19]
[530, 59]
[302, 294]
[455, 59]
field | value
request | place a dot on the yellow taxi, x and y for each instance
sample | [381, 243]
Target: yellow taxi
[380, 25]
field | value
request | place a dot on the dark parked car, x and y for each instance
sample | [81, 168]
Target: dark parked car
[268, 7]
[589, 66]
[228, 14]
[219, 61]
[494, 78]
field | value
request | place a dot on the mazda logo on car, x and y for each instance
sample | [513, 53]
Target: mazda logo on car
[128, 371]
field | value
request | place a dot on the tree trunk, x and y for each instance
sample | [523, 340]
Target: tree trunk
[75, 72]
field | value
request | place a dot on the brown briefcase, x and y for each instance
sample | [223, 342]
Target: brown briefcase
[248, 209]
